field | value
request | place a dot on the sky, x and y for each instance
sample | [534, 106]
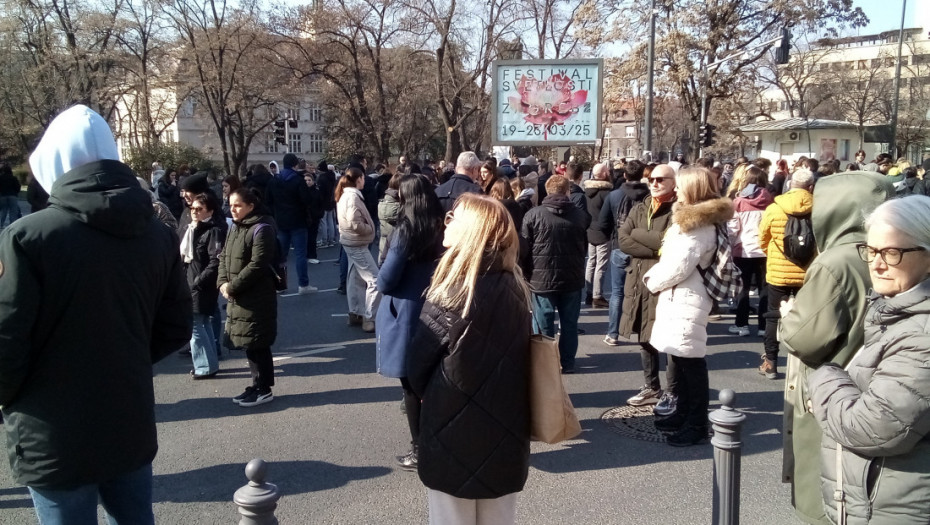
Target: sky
[885, 15]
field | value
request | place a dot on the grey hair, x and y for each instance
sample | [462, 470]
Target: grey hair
[467, 162]
[601, 171]
[803, 178]
[909, 215]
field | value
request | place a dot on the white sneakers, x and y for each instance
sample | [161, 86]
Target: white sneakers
[741, 331]
[303, 290]
[313, 261]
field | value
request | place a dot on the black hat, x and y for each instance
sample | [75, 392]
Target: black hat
[196, 183]
[290, 160]
[322, 166]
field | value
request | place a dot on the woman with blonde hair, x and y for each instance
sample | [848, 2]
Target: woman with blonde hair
[739, 181]
[356, 231]
[680, 330]
[471, 375]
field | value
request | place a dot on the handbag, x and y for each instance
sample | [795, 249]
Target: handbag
[552, 416]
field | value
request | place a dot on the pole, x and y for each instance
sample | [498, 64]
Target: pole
[703, 104]
[893, 149]
[647, 131]
[727, 442]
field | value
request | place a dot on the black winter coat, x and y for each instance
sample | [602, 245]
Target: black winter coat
[171, 196]
[453, 188]
[618, 204]
[288, 198]
[92, 293]
[556, 233]
[246, 264]
[596, 192]
[9, 185]
[209, 238]
[326, 182]
[472, 374]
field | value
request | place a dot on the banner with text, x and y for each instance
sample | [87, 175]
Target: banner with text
[546, 102]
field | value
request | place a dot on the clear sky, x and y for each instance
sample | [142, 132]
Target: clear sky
[885, 15]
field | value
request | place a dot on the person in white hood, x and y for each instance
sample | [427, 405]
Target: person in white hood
[92, 292]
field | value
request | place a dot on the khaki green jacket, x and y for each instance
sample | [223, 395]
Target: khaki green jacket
[826, 322]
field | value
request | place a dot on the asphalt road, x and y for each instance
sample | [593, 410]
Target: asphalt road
[332, 432]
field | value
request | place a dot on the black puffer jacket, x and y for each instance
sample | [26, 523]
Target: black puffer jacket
[288, 198]
[556, 234]
[246, 264]
[472, 374]
[209, 238]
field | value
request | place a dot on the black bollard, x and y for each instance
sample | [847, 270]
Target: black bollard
[257, 500]
[727, 424]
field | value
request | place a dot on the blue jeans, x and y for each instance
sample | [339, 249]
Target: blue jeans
[203, 346]
[618, 264]
[298, 237]
[9, 210]
[327, 232]
[568, 304]
[127, 500]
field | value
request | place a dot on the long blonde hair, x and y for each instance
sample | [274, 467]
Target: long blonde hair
[696, 184]
[489, 238]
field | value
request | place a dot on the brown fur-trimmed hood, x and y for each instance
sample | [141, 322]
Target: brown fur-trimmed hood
[690, 217]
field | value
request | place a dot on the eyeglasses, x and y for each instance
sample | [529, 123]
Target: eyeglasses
[197, 208]
[449, 217]
[891, 256]
[653, 180]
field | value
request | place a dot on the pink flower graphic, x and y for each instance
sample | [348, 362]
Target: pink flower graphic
[547, 102]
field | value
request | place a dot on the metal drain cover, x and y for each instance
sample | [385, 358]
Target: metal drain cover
[634, 422]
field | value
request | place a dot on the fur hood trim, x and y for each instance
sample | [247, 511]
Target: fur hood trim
[598, 184]
[690, 217]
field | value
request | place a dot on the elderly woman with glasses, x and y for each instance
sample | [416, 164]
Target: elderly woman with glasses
[875, 414]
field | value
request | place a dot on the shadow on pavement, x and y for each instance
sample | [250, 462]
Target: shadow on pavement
[220, 482]
[217, 407]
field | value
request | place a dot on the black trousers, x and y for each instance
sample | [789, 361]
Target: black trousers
[412, 406]
[752, 270]
[777, 294]
[261, 366]
[693, 390]
[313, 229]
[650, 357]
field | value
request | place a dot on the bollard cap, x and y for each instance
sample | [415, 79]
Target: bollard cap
[257, 493]
[726, 415]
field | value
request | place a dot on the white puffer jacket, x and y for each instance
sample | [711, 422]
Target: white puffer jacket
[684, 306]
[355, 225]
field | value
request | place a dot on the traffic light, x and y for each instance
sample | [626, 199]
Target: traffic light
[781, 54]
[279, 132]
[706, 135]
[292, 123]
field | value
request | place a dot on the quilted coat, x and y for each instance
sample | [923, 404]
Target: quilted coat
[880, 413]
[356, 227]
[640, 236]
[246, 261]
[684, 305]
[472, 373]
[555, 231]
[779, 271]
[826, 322]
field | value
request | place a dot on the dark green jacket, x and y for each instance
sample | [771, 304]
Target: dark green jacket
[92, 292]
[246, 264]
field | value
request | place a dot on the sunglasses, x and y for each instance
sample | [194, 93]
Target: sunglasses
[197, 208]
[653, 180]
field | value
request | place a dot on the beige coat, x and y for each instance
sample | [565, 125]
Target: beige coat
[355, 225]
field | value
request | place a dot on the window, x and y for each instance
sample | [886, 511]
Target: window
[271, 146]
[293, 114]
[630, 132]
[316, 113]
[631, 150]
[293, 143]
[314, 143]
[169, 136]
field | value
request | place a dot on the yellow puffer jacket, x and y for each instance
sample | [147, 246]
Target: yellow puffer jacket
[779, 271]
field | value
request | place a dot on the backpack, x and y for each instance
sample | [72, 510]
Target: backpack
[800, 247]
[722, 278]
[278, 264]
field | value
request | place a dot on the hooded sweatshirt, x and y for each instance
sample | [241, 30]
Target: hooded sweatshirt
[92, 292]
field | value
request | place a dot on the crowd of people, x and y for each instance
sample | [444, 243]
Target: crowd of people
[434, 260]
